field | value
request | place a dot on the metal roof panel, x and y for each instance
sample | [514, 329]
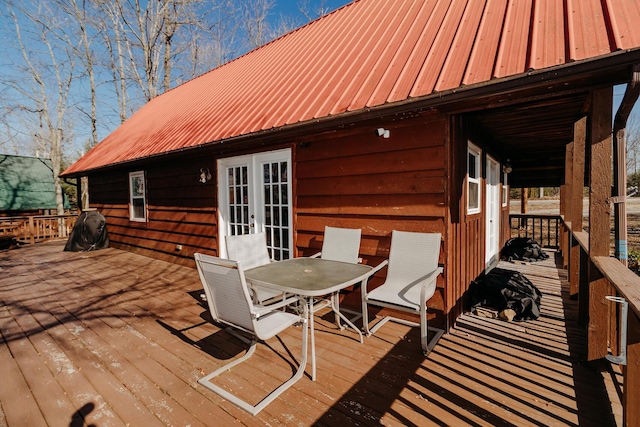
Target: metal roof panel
[366, 54]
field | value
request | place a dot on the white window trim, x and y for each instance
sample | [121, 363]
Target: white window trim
[132, 197]
[477, 153]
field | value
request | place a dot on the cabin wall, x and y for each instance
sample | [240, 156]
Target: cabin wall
[180, 209]
[356, 179]
[349, 177]
[467, 232]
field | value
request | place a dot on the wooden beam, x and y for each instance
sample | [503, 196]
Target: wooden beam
[577, 185]
[599, 219]
[565, 204]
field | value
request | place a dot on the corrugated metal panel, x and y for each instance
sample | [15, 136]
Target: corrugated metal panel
[366, 54]
[512, 55]
[547, 41]
[482, 60]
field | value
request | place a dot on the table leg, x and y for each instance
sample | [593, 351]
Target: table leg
[336, 310]
[313, 340]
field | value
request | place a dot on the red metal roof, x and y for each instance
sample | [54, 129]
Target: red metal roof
[366, 54]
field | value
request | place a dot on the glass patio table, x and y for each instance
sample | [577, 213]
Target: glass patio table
[309, 278]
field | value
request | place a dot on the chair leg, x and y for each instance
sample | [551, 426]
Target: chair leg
[253, 410]
[365, 319]
[426, 344]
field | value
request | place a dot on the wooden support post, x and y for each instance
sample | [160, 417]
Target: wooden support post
[563, 245]
[577, 185]
[599, 220]
[79, 204]
[565, 203]
[631, 374]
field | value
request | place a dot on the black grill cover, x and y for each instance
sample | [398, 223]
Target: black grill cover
[502, 289]
[89, 233]
[523, 248]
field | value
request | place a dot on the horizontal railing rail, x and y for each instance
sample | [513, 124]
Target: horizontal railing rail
[544, 229]
[37, 228]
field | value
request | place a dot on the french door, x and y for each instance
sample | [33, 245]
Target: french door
[492, 213]
[254, 194]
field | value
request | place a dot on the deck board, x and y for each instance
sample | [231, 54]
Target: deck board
[113, 339]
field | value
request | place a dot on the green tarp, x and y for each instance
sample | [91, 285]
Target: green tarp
[26, 183]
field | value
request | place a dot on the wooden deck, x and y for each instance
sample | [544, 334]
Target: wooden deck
[110, 338]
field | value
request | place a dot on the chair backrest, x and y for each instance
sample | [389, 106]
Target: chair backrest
[226, 289]
[341, 244]
[251, 249]
[412, 255]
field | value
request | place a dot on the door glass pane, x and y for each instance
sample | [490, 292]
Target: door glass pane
[276, 207]
[238, 209]
[266, 174]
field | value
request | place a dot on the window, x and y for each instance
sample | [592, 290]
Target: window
[473, 178]
[505, 189]
[137, 202]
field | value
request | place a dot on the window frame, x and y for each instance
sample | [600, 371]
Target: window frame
[132, 197]
[476, 152]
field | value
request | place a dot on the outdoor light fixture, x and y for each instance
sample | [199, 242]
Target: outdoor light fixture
[205, 175]
[506, 168]
[385, 133]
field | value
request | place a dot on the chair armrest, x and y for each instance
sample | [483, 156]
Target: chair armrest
[428, 279]
[374, 270]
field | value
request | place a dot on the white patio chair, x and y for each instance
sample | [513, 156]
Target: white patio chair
[339, 244]
[230, 303]
[411, 281]
[252, 250]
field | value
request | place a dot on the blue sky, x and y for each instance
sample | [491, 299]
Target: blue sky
[290, 7]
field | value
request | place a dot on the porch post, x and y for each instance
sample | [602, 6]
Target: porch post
[599, 217]
[566, 191]
[577, 185]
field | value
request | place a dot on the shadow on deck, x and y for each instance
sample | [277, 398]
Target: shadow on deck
[112, 338]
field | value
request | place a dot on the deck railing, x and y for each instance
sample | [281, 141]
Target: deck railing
[544, 229]
[594, 280]
[35, 229]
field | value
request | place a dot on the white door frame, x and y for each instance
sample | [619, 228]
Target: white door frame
[256, 213]
[492, 213]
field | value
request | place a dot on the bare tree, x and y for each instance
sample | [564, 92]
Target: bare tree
[48, 76]
[82, 19]
[112, 32]
[254, 15]
[632, 133]
[313, 11]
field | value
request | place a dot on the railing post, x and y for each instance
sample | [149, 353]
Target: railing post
[32, 230]
[631, 374]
